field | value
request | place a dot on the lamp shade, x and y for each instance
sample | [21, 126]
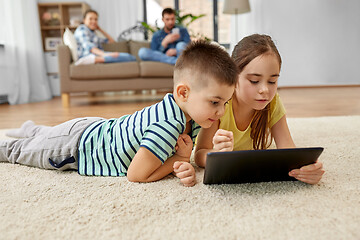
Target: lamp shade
[236, 6]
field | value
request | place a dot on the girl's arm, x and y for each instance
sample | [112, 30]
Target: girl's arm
[97, 51]
[204, 143]
[311, 173]
[110, 39]
[281, 134]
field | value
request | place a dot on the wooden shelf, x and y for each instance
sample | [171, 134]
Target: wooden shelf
[56, 17]
[50, 27]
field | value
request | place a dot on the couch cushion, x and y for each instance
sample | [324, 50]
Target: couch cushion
[155, 69]
[105, 71]
[116, 47]
[70, 41]
[134, 47]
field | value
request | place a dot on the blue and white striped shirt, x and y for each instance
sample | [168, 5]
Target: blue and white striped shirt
[107, 147]
[87, 39]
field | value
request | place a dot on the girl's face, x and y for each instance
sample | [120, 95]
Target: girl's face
[91, 20]
[257, 82]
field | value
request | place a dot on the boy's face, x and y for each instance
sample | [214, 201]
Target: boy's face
[207, 104]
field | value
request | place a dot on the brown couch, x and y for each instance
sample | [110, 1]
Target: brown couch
[93, 78]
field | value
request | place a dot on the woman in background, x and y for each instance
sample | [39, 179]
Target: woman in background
[89, 44]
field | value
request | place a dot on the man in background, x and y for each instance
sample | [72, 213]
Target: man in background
[167, 43]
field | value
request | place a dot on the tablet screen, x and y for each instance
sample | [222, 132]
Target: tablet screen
[257, 165]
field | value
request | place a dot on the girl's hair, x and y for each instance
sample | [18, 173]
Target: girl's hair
[244, 52]
[90, 11]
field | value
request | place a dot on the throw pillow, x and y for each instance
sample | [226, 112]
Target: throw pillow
[70, 41]
[136, 45]
[116, 47]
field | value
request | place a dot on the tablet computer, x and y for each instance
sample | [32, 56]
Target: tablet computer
[257, 165]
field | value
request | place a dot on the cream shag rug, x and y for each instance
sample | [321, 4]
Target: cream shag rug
[43, 204]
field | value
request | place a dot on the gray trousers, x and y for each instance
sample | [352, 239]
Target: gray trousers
[48, 147]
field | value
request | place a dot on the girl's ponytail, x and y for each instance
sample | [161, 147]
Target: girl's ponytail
[260, 130]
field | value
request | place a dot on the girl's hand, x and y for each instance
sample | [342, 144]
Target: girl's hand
[186, 172]
[309, 174]
[223, 140]
[184, 146]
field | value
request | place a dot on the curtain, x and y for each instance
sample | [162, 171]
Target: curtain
[25, 64]
[115, 16]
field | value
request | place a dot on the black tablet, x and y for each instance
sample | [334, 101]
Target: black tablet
[257, 165]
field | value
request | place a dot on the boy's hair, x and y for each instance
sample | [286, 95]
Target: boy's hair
[168, 11]
[90, 11]
[201, 61]
[244, 52]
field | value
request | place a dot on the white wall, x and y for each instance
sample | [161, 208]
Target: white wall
[319, 40]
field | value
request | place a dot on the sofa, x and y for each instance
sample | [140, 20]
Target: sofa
[139, 75]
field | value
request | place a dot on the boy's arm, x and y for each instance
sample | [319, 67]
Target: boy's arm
[146, 167]
[204, 143]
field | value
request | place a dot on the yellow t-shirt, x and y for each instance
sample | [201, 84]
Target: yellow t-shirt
[242, 139]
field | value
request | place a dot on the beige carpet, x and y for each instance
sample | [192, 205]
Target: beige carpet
[41, 204]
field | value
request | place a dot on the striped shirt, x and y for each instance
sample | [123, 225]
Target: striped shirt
[107, 147]
[86, 40]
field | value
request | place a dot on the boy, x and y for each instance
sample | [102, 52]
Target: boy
[145, 146]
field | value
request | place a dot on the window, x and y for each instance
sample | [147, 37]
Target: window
[203, 26]
[224, 21]
[215, 25]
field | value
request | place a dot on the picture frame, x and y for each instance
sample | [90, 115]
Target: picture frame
[52, 42]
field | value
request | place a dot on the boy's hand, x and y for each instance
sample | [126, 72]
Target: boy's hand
[186, 172]
[223, 140]
[184, 146]
[311, 173]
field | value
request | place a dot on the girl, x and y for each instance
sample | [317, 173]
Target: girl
[90, 44]
[255, 115]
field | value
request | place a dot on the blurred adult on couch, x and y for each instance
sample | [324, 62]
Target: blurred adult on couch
[89, 44]
[167, 43]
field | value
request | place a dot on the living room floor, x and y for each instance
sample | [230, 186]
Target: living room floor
[299, 102]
